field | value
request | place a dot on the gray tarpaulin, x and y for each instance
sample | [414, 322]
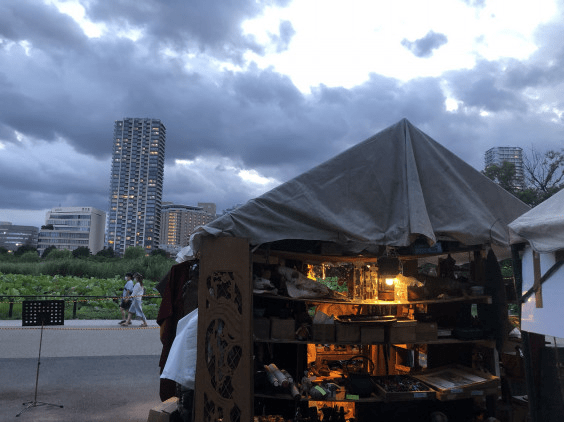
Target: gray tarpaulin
[543, 226]
[386, 190]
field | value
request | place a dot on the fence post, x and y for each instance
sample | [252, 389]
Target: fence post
[11, 309]
[74, 310]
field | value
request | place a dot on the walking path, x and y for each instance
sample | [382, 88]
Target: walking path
[97, 369]
[79, 338]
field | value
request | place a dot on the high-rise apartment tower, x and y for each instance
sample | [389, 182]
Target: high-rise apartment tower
[498, 155]
[136, 184]
[180, 221]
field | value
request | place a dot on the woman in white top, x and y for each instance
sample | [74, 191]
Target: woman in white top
[136, 305]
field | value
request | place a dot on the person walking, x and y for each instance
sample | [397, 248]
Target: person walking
[136, 305]
[126, 296]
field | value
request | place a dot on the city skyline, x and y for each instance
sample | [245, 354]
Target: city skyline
[281, 88]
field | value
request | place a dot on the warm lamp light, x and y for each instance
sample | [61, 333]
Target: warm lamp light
[388, 269]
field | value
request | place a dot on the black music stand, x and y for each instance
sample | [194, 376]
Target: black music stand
[41, 312]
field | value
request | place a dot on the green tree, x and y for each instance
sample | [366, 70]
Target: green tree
[47, 251]
[159, 252]
[59, 254]
[106, 253]
[23, 249]
[544, 173]
[3, 250]
[544, 176]
[81, 252]
[134, 252]
[29, 256]
[503, 175]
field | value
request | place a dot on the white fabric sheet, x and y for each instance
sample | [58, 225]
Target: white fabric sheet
[181, 362]
[543, 226]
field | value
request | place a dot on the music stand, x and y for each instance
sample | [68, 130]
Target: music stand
[41, 312]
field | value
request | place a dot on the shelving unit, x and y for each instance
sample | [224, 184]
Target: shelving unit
[230, 355]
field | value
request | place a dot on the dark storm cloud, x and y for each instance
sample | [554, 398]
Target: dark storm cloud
[39, 24]
[208, 26]
[66, 104]
[424, 47]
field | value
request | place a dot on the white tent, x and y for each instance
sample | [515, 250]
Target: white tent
[543, 226]
[388, 190]
[543, 229]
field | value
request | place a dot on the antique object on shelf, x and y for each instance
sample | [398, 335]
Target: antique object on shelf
[402, 387]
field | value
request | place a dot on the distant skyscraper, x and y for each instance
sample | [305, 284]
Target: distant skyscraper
[514, 155]
[136, 184]
[73, 227]
[179, 221]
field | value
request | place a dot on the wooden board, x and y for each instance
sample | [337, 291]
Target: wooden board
[224, 374]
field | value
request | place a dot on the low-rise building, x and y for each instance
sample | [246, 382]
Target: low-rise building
[14, 236]
[73, 227]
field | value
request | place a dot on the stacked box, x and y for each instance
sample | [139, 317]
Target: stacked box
[371, 334]
[402, 331]
[282, 329]
[347, 333]
[323, 333]
[426, 331]
[261, 328]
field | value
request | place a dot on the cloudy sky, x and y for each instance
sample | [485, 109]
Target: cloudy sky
[253, 93]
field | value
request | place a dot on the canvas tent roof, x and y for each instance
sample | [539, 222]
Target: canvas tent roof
[543, 226]
[387, 190]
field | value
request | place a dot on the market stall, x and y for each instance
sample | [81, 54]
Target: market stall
[316, 296]
[538, 238]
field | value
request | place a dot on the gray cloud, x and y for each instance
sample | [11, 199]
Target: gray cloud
[282, 40]
[65, 92]
[424, 47]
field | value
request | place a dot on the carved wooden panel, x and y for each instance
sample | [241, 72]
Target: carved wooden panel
[224, 368]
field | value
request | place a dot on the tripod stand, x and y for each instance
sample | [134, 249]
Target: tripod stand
[44, 312]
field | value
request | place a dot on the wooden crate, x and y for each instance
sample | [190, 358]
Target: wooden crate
[455, 382]
[385, 387]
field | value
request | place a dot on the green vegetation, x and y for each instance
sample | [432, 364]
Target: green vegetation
[61, 272]
[44, 286]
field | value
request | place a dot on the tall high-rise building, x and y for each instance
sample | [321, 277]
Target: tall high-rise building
[179, 221]
[73, 227]
[498, 155]
[136, 184]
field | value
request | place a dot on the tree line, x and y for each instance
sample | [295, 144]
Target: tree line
[543, 176]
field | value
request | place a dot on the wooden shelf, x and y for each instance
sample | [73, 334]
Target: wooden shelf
[446, 340]
[471, 299]
[373, 399]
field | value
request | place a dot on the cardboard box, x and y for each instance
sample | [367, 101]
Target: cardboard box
[261, 328]
[426, 331]
[323, 333]
[282, 329]
[163, 411]
[372, 334]
[402, 331]
[347, 333]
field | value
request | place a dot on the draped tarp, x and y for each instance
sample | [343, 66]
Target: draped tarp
[543, 226]
[387, 190]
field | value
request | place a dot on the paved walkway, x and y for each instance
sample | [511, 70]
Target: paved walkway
[79, 338]
[98, 370]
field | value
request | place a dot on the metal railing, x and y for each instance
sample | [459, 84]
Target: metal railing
[75, 299]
